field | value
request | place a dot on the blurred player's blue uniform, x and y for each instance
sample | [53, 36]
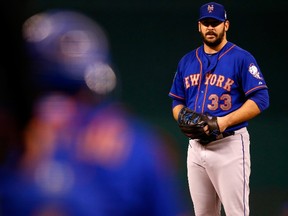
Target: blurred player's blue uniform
[85, 155]
[111, 164]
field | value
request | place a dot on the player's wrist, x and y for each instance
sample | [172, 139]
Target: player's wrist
[222, 123]
[176, 110]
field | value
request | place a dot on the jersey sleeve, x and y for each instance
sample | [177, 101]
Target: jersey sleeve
[252, 77]
[177, 91]
[261, 98]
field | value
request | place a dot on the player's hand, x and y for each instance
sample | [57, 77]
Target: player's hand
[192, 124]
[212, 124]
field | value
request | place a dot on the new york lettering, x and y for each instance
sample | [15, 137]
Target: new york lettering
[210, 79]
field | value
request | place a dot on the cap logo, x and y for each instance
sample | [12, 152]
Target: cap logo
[210, 8]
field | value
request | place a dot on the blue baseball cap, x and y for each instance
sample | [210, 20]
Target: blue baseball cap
[213, 10]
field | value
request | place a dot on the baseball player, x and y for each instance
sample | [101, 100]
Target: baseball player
[84, 152]
[218, 87]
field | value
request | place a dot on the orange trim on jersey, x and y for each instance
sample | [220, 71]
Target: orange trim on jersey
[176, 96]
[257, 87]
[201, 66]
[206, 90]
[226, 51]
[195, 107]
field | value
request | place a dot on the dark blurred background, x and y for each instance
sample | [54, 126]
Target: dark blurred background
[147, 40]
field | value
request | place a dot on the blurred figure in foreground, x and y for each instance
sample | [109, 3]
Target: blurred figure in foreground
[84, 152]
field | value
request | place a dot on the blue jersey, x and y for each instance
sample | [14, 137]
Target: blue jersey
[112, 164]
[217, 84]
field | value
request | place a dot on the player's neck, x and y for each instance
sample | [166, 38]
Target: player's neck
[213, 50]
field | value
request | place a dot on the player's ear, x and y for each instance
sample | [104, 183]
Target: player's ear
[199, 29]
[226, 25]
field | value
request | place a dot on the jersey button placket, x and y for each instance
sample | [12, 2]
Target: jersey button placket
[202, 96]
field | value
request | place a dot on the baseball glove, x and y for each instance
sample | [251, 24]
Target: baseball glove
[198, 126]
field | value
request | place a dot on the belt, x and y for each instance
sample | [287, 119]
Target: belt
[224, 134]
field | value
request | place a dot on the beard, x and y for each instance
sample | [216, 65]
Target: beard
[215, 42]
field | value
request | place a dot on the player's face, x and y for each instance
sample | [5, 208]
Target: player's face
[212, 31]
